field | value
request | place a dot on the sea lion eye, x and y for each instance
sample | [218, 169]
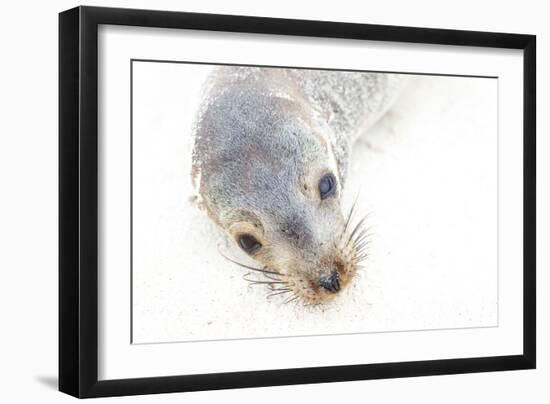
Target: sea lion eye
[248, 243]
[327, 186]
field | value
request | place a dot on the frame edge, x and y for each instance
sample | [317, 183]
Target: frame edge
[78, 289]
[69, 79]
[529, 201]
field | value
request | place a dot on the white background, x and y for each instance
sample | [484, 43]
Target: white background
[28, 165]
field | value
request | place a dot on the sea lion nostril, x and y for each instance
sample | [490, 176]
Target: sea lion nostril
[330, 282]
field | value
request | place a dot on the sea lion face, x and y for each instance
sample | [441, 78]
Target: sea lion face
[303, 238]
[275, 188]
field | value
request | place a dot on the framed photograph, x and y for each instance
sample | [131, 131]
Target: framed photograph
[251, 201]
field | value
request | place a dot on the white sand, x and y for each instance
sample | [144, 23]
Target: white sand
[427, 174]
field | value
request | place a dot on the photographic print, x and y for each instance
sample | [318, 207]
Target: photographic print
[250, 201]
[288, 201]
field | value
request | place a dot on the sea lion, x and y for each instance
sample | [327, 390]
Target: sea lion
[270, 159]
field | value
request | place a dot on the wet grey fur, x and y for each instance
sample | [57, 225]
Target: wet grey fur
[258, 130]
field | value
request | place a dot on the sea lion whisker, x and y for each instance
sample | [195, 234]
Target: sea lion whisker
[350, 214]
[360, 257]
[361, 222]
[277, 293]
[291, 300]
[268, 276]
[280, 289]
[364, 234]
[348, 221]
[361, 253]
[359, 247]
[359, 268]
[263, 270]
[250, 277]
[362, 243]
[356, 228]
[264, 283]
[364, 239]
[363, 231]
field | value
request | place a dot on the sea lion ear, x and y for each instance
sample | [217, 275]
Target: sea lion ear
[195, 201]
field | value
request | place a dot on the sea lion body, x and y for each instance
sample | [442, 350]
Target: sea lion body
[270, 157]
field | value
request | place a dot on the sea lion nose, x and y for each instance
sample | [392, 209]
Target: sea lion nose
[330, 282]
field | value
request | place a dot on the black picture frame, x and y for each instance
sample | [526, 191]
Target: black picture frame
[78, 201]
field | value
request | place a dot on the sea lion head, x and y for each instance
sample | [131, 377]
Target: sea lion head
[267, 175]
